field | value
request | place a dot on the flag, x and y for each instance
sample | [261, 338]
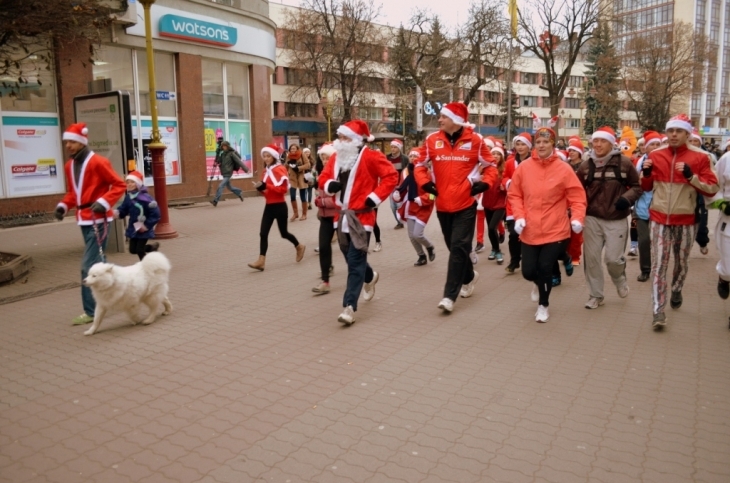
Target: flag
[513, 17]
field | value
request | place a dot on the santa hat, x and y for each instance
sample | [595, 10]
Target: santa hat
[546, 132]
[651, 137]
[562, 154]
[498, 149]
[137, 177]
[327, 149]
[664, 139]
[525, 137]
[77, 132]
[695, 134]
[273, 150]
[490, 141]
[575, 145]
[415, 150]
[356, 130]
[397, 143]
[306, 150]
[606, 132]
[680, 121]
[457, 112]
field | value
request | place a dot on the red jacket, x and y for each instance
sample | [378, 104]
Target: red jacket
[509, 170]
[98, 182]
[495, 198]
[276, 178]
[372, 176]
[456, 168]
[420, 210]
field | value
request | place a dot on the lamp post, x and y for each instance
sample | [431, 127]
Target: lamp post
[585, 98]
[164, 229]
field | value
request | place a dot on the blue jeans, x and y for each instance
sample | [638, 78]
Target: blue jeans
[358, 273]
[394, 209]
[302, 194]
[226, 183]
[91, 256]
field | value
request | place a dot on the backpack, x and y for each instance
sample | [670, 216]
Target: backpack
[618, 175]
[237, 164]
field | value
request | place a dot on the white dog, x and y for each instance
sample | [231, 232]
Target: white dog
[128, 288]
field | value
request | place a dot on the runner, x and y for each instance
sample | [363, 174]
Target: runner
[522, 146]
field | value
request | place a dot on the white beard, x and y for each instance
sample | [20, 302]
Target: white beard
[347, 154]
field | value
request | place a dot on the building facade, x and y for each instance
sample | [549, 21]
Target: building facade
[213, 64]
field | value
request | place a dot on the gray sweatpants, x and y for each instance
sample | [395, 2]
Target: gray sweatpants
[607, 238]
[418, 238]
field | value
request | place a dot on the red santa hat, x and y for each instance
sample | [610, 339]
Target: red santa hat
[651, 137]
[575, 145]
[605, 132]
[696, 135]
[498, 149]
[327, 149]
[664, 138]
[77, 132]
[415, 151]
[680, 121]
[562, 154]
[356, 130]
[137, 177]
[457, 112]
[273, 150]
[397, 143]
[525, 137]
[490, 141]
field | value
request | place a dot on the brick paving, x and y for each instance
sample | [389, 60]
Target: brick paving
[252, 379]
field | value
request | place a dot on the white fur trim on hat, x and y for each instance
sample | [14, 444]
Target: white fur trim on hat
[655, 140]
[136, 179]
[397, 143]
[604, 135]
[457, 119]
[499, 150]
[327, 149]
[680, 124]
[574, 148]
[522, 139]
[306, 150]
[274, 154]
[346, 131]
[70, 136]
[696, 136]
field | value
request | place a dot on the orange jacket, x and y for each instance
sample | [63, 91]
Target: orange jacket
[456, 168]
[541, 192]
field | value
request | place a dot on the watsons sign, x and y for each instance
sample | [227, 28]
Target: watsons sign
[194, 30]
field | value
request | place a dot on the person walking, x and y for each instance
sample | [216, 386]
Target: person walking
[143, 215]
[456, 152]
[229, 161]
[522, 145]
[542, 191]
[493, 201]
[703, 233]
[361, 178]
[92, 188]
[308, 176]
[296, 166]
[575, 158]
[652, 140]
[676, 174]
[273, 185]
[328, 209]
[400, 162]
[612, 186]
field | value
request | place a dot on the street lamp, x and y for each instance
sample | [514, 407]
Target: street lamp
[164, 229]
[586, 91]
[328, 109]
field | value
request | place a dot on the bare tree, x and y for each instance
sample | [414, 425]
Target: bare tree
[556, 32]
[661, 68]
[29, 29]
[335, 45]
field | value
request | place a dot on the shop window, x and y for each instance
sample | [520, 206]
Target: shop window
[36, 94]
[213, 106]
[164, 80]
[115, 63]
[237, 91]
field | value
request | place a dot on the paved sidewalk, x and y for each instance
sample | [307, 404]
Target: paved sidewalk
[252, 379]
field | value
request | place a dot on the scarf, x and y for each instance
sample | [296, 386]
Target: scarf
[601, 162]
[294, 156]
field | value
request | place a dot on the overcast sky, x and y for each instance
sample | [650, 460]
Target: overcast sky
[451, 12]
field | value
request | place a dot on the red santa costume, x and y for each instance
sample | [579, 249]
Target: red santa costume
[361, 178]
[515, 249]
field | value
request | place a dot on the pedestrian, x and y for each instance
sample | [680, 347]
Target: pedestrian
[703, 233]
[676, 174]
[612, 187]
[493, 202]
[541, 192]
[308, 177]
[456, 152]
[522, 144]
[400, 162]
[652, 140]
[722, 230]
[143, 215]
[229, 161]
[328, 209]
[575, 245]
[273, 185]
[92, 187]
[361, 178]
[296, 166]
[417, 208]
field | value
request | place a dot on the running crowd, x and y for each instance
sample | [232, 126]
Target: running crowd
[571, 206]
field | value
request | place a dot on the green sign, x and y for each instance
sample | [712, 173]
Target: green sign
[194, 30]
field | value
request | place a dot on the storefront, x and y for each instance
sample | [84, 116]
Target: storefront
[209, 59]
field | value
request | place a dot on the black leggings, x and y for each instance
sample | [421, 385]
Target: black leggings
[537, 266]
[493, 219]
[376, 228]
[278, 212]
[326, 231]
[137, 246]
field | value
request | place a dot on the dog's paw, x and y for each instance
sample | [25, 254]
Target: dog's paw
[89, 332]
[147, 321]
[166, 312]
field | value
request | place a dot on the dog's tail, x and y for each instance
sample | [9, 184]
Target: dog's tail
[156, 262]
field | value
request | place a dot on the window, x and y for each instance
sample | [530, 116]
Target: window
[491, 97]
[575, 81]
[545, 102]
[696, 104]
[525, 122]
[237, 91]
[572, 103]
[475, 119]
[213, 89]
[371, 113]
[572, 123]
[529, 78]
[300, 109]
[115, 63]
[491, 120]
[372, 84]
[296, 77]
[528, 101]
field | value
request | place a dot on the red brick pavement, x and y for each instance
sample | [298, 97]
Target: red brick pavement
[252, 379]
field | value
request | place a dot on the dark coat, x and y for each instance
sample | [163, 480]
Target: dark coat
[143, 204]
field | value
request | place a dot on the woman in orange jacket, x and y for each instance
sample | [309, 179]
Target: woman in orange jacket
[541, 192]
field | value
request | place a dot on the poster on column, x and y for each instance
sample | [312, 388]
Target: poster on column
[213, 131]
[239, 135]
[32, 156]
[168, 133]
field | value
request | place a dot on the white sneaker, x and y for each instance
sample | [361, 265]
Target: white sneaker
[594, 303]
[474, 258]
[542, 315]
[347, 316]
[369, 288]
[378, 247]
[468, 289]
[535, 295]
[623, 290]
[447, 305]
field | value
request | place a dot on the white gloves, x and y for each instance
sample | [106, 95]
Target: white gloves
[576, 226]
[519, 226]
[308, 177]
[418, 201]
[396, 196]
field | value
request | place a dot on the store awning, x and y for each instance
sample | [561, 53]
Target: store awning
[291, 126]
